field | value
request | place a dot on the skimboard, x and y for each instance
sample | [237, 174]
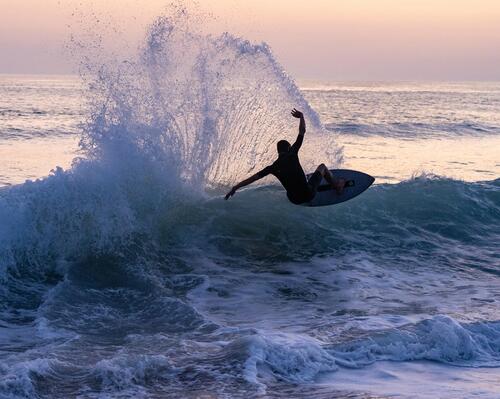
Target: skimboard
[357, 182]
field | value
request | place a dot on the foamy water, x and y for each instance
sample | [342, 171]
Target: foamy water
[125, 274]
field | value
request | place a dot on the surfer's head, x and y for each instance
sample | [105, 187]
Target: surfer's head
[283, 146]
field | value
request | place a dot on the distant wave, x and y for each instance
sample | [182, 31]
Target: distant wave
[414, 130]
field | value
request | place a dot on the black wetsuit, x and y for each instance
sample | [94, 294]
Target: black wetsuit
[289, 172]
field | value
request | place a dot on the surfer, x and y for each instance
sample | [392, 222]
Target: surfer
[289, 172]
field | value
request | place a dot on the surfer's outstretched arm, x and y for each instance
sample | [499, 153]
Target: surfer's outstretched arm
[259, 175]
[243, 183]
[302, 129]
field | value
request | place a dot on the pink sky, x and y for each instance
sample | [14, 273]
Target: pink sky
[322, 39]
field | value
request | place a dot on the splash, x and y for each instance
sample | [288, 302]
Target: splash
[208, 108]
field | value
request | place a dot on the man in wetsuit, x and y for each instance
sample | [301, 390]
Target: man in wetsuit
[289, 172]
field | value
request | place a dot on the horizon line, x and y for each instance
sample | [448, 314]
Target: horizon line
[296, 79]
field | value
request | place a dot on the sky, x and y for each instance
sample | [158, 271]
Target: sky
[364, 40]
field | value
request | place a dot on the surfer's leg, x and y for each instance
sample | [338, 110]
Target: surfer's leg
[337, 184]
[314, 182]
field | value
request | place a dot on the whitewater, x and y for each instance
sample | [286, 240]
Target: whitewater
[124, 273]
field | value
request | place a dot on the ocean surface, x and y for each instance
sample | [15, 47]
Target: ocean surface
[124, 273]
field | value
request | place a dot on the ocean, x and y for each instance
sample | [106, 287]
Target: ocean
[124, 273]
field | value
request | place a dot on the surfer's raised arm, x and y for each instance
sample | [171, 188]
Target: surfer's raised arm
[302, 129]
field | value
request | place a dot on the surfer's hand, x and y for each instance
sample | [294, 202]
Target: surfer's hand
[297, 114]
[230, 193]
